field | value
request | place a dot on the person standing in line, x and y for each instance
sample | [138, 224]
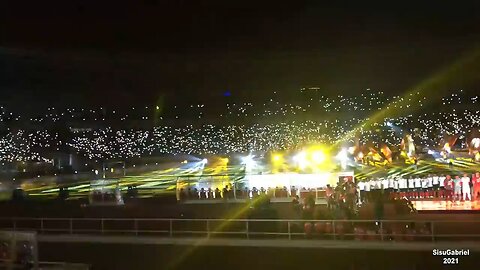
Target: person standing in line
[396, 185]
[391, 187]
[384, 183]
[329, 195]
[385, 192]
[457, 188]
[476, 186]
[378, 187]
[448, 186]
[442, 192]
[351, 196]
[436, 186]
[430, 191]
[361, 190]
[418, 187]
[423, 193]
[399, 186]
[411, 187]
[466, 188]
[366, 197]
[373, 186]
[403, 184]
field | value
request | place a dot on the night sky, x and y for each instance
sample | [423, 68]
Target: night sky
[117, 53]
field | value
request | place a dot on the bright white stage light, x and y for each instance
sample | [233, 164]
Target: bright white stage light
[301, 160]
[204, 161]
[299, 156]
[342, 156]
[476, 142]
[248, 160]
[430, 152]
[318, 157]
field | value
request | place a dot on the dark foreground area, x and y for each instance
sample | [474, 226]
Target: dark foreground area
[129, 256]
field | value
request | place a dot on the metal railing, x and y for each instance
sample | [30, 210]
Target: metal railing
[384, 230]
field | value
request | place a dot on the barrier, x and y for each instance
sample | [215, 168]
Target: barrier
[385, 230]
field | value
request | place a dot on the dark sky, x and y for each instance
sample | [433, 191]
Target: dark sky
[131, 52]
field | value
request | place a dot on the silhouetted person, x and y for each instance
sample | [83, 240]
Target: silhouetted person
[270, 192]
[203, 194]
[293, 191]
[254, 192]
[217, 193]
[230, 193]
[195, 194]
[225, 192]
[210, 193]
[449, 186]
[329, 197]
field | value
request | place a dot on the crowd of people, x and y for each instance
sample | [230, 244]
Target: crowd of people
[101, 142]
[343, 196]
[107, 143]
[456, 188]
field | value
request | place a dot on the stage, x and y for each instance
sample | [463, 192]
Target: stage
[443, 205]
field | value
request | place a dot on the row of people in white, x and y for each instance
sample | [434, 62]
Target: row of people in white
[460, 187]
[401, 183]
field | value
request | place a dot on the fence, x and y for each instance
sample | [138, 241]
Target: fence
[385, 230]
